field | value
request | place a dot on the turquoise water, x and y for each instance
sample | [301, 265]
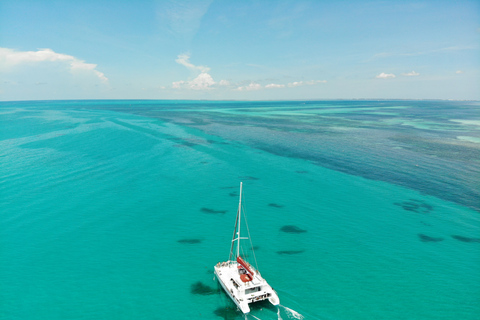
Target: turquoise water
[120, 209]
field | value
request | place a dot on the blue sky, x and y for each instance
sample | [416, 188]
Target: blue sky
[246, 50]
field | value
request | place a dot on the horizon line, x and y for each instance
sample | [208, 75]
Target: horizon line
[249, 100]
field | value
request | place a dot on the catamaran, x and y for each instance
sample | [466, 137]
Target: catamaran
[243, 283]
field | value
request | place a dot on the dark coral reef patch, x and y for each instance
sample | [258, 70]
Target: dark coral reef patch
[212, 211]
[190, 241]
[415, 205]
[228, 313]
[292, 229]
[249, 178]
[290, 251]
[425, 238]
[465, 239]
[275, 205]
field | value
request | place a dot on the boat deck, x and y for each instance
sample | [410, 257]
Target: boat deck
[243, 293]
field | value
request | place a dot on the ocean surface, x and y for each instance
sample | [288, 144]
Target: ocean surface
[357, 209]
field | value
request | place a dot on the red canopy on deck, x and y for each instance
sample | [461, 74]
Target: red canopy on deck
[245, 265]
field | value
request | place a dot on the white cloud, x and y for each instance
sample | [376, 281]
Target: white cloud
[458, 71]
[224, 83]
[274, 85]
[10, 58]
[295, 84]
[304, 83]
[178, 84]
[385, 76]
[202, 82]
[312, 82]
[183, 60]
[251, 87]
[411, 74]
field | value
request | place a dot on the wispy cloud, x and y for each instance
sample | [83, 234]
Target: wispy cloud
[182, 18]
[274, 85]
[256, 86]
[459, 72]
[421, 53]
[251, 87]
[10, 58]
[385, 76]
[305, 83]
[224, 83]
[203, 81]
[295, 84]
[411, 74]
[183, 59]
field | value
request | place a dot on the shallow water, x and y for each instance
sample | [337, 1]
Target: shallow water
[120, 209]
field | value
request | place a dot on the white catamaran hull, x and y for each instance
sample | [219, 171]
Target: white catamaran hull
[242, 283]
[242, 294]
[242, 306]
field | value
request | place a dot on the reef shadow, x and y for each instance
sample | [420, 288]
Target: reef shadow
[249, 178]
[190, 241]
[275, 205]
[425, 238]
[289, 252]
[465, 239]
[292, 229]
[212, 211]
[228, 313]
[415, 205]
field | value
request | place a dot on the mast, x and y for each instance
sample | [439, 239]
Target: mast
[239, 219]
[236, 224]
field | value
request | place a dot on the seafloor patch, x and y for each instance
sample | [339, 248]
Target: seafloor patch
[415, 205]
[202, 289]
[292, 229]
[190, 241]
[290, 251]
[425, 238]
[249, 178]
[465, 239]
[212, 211]
[233, 194]
[275, 205]
[228, 313]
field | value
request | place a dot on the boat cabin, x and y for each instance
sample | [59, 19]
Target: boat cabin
[252, 290]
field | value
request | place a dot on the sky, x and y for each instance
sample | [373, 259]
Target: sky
[239, 50]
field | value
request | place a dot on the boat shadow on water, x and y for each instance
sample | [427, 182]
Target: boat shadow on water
[203, 289]
[228, 313]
